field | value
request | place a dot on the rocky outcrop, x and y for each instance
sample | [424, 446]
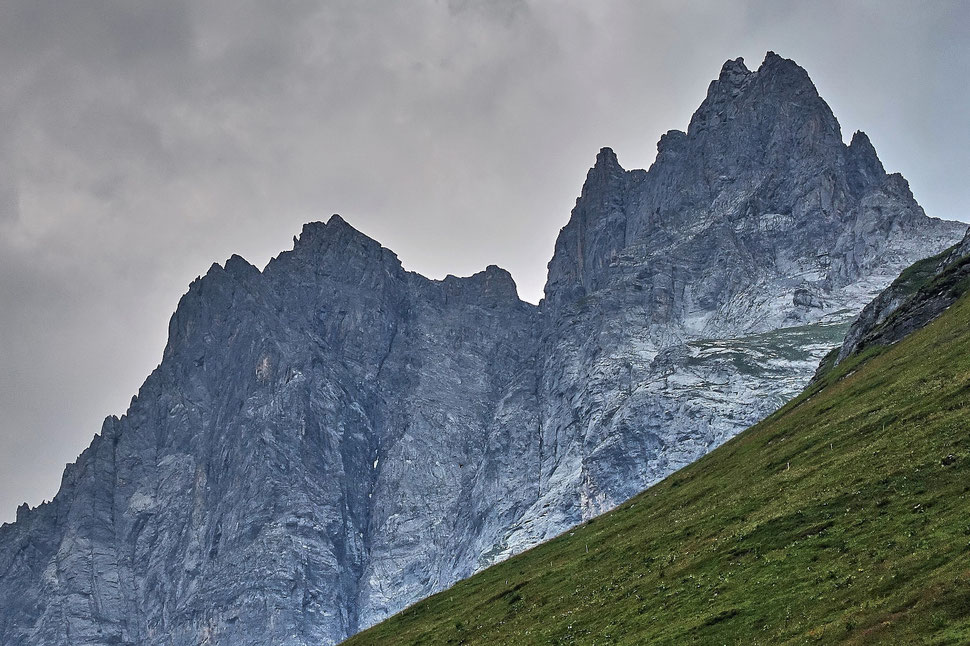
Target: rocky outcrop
[332, 438]
[920, 294]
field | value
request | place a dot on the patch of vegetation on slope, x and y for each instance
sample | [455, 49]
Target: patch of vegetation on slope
[842, 518]
[917, 275]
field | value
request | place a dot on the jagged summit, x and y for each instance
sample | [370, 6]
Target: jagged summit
[316, 234]
[338, 246]
[606, 159]
[860, 140]
[493, 286]
[763, 153]
[733, 69]
[864, 168]
[335, 437]
[737, 92]
[239, 266]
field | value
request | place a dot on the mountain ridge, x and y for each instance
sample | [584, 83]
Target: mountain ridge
[837, 519]
[332, 438]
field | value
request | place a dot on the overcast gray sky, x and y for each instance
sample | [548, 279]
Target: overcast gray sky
[141, 141]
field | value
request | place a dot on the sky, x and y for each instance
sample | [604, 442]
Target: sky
[142, 141]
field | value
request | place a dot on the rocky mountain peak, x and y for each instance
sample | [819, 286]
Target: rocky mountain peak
[606, 161]
[775, 65]
[498, 282]
[860, 142]
[784, 79]
[606, 175]
[672, 141]
[779, 93]
[595, 229]
[22, 511]
[336, 248]
[757, 145]
[898, 185]
[236, 265]
[864, 168]
[493, 287]
[733, 72]
[336, 230]
[333, 438]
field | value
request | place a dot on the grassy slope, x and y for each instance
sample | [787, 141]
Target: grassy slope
[839, 519]
[919, 273]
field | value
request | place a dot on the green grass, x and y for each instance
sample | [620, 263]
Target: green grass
[842, 518]
[920, 273]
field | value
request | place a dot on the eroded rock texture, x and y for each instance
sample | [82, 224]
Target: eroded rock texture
[333, 438]
[920, 294]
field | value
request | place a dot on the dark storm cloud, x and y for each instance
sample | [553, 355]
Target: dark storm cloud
[140, 141]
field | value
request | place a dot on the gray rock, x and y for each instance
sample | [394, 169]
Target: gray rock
[333, 438]
[912, 301]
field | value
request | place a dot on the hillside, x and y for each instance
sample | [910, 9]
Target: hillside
[842, 518]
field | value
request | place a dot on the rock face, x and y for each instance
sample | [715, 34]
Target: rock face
[919, 295]
[333, 438]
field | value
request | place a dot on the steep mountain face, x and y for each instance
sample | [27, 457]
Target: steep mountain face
[839, 519]
[333, 438]
[686, 302]
[310, 429]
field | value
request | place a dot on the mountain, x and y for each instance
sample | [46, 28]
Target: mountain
[332, 438]
[686, 302]
[839, 519]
